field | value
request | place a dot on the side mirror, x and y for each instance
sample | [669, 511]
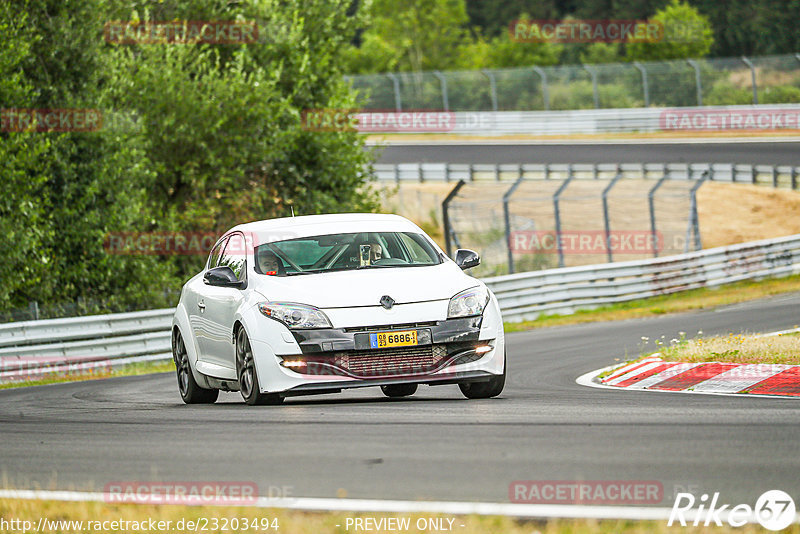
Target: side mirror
[222, 277]
[467, 259]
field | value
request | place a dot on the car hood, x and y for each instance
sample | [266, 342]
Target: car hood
[365, 287]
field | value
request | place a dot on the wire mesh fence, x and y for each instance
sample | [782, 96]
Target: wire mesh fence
[562, 216]
[677, 83]
[523, 217]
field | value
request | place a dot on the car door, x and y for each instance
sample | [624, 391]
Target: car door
[219, 305]
[195, 301]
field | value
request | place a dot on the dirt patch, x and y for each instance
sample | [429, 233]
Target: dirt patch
[738, 213]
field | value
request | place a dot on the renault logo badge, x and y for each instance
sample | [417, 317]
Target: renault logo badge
[387, 302]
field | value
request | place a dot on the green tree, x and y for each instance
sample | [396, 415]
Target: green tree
[504, 51]
[415, 35]
[687, 34]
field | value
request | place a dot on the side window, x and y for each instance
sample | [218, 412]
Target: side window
[234, 255]
[213, 258]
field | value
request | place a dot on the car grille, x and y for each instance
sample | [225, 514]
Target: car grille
[384, 328]
[391, 362]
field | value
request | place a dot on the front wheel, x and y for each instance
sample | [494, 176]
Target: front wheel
[248, 377]
[191, 393]
[484, 390]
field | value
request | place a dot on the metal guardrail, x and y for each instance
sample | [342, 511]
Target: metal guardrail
[525, 296]
[34, 348]
[781, 176]
[698, 120]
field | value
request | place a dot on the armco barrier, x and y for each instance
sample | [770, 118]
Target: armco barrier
[32, 347]
[525, 296]
[779, 176]
[699, 120]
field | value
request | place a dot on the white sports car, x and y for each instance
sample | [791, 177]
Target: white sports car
[316, 304]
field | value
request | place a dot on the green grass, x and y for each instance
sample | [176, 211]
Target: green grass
[692, 300]
[735, 348]
[143, 368]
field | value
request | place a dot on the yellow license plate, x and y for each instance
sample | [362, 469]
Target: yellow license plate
[383, 340]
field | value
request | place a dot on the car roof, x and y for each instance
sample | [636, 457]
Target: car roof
[271, 230]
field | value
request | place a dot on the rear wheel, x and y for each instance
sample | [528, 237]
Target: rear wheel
[484, 390]
[191, 393]
[399, 390]
[248, 377]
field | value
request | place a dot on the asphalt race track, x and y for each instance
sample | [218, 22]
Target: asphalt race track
[761, 153]
[436, 445]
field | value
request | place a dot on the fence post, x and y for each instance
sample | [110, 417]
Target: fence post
[695, 220]
[446, 215]
[443, 82]
[651, 203]
[447, 172]
[545, 92]
[794, 178]
[556, 198]
[507, 219]
[697, 80]
[492, 87]
[752, 78]
[645, 86]
[398, 105]
[33, 310]
[774, 176]
[606, 220]
[593, 74]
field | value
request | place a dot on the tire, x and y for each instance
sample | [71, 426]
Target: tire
[485, 390]
[191, 393]
[399, 390]
[247, 375]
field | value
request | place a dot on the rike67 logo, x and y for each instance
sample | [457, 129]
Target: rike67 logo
[774, 510]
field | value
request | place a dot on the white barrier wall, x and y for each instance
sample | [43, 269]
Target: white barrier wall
[698, 119]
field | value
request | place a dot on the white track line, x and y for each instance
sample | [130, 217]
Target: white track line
[541, 511]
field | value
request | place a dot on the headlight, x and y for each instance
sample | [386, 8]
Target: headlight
[295, 315]
[469, 302]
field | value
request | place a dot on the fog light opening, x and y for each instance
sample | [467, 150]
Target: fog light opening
[483, 349]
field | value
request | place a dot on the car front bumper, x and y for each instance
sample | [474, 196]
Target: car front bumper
[330, 359]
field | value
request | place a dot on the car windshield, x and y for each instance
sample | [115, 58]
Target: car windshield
[344, 252]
